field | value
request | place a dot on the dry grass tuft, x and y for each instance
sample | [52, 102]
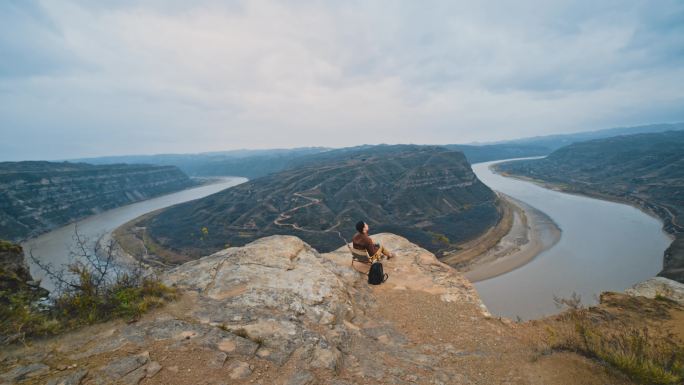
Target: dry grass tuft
[642, 351]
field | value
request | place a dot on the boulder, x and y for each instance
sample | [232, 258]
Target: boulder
[266, 292]
[659, 286]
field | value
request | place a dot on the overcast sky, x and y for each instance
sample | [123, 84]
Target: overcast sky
[89, 78]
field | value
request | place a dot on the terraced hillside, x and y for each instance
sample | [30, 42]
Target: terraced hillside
[428, 194]
[646, 170]
[38, 196]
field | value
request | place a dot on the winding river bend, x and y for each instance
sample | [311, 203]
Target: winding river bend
[604, 246]
[54, 247]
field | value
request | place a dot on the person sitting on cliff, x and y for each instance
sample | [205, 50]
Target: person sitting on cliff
[361, 241]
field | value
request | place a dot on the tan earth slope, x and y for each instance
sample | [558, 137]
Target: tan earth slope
[277, 312]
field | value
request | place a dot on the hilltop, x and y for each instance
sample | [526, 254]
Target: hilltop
[429, 194]
[278, 312]
[645, 170]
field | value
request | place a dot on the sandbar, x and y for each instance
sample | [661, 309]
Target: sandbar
[529, 232]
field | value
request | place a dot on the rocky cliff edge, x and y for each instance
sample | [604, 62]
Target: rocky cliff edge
[277, 312]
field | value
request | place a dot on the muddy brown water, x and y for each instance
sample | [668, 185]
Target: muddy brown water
[604, 246]
[54, 247]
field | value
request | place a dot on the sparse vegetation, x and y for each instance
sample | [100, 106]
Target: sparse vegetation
[647, 354]
[573, 302]
[440, 238]
[128, 296]
[22, 314]
[241, 332]
[204, 234]
[91, 288]
[9, 246]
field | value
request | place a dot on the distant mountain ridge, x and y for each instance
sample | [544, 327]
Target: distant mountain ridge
[489, 152]
[646, 170]
[554, 142]
[247, 163]
[425, 192]
[37, 196]
[257, 163]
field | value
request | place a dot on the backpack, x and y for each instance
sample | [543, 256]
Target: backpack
[376, 276]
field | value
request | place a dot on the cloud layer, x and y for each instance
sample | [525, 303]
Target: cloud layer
[79, 78]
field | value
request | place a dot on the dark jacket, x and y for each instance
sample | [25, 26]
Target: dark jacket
[364, 242]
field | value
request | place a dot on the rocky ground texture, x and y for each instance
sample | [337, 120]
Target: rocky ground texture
[277, 312]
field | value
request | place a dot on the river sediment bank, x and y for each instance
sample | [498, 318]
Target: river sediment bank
[522, 234]
[532, 233]
[673, 257]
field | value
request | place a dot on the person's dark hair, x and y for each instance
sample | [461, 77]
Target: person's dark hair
[359, 226]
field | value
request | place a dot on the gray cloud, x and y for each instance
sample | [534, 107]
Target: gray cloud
[82, 78]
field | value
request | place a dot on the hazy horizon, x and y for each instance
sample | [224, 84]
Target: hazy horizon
[86, 79]
[294, 148]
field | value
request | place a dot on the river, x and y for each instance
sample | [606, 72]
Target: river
[604, 246]
[54, 247]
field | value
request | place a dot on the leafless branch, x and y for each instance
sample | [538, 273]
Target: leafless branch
[94, 260]
[82, 245]
[574, 302]
[57, 275]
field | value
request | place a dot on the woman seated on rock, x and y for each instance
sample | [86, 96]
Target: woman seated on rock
[362, 241]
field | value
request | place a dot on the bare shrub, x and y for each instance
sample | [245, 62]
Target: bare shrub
[574, 302]
[92, 287]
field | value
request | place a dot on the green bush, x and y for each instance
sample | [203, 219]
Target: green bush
[128, 297]
[9, 246]
[21, 314]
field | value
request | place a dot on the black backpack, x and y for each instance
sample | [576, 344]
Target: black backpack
[376, 275]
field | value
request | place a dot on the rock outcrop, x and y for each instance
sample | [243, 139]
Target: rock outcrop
[38, 196]
[13, 267]
[278, 312]
[659, 287]
[15, 281]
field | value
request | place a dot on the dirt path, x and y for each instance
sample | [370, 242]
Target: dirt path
[312, 201]
[285, 215]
